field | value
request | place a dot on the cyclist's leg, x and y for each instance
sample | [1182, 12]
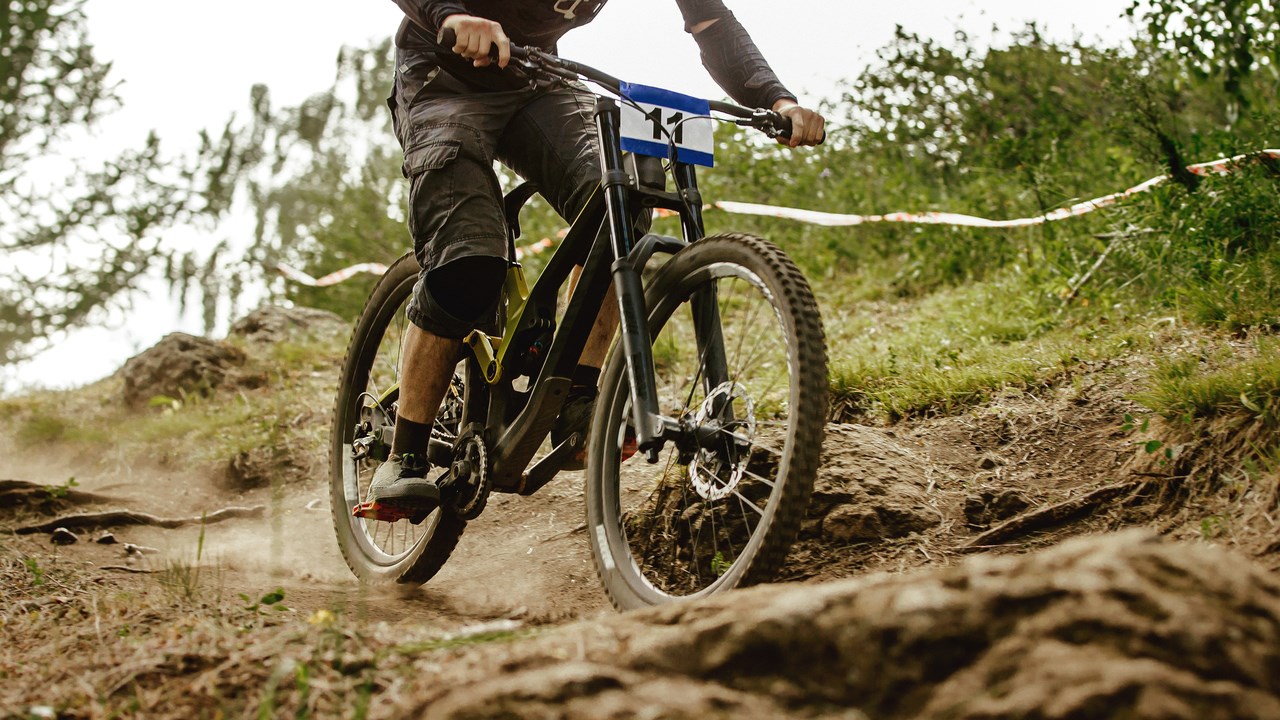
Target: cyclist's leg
[448, 133]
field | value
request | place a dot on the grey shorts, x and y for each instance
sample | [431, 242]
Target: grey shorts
[451, 135]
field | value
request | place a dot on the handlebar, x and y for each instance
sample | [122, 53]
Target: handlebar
[533, 62]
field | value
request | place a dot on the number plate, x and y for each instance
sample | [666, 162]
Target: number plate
[663, 116]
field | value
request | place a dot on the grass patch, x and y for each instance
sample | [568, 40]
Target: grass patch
[449, 642]
[1191, 388]
[962, 346]
[279, 399]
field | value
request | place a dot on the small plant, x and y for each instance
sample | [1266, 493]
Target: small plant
[1131, 423]
[184, 578]
[272, 600]
[1212, 527]
[166, 403]
[37, 573]
[58, 492]
[719, 565]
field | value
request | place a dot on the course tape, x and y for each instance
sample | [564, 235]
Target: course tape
[332, 278]
[1221, 166]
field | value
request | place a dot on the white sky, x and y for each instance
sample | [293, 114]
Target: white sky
[186, 66]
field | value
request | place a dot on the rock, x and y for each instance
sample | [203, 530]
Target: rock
[179, 364]
[850, 523]
[1107, 627]
[869, 487]
[130, 550]
[63, 536]
[273, 323]
[591, 691]
[259, 468]
[107, 539]
[988, 507]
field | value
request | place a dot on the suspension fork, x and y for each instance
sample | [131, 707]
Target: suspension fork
[652, 429]
[628, 285]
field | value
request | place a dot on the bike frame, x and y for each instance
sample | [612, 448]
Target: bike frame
[517, 422]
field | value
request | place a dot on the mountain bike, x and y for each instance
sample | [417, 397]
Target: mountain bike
[706, 433]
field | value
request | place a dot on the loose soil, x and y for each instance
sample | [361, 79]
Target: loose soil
[1030, 469]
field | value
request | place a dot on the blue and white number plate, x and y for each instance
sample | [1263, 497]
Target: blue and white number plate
[664, 116]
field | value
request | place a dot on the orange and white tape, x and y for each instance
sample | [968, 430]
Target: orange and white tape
[332, 278]
[1220, 166]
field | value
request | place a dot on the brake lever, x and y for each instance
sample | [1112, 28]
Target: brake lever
[766, 121]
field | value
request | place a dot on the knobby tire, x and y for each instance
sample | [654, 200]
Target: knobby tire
[413, 554]
[656, 535]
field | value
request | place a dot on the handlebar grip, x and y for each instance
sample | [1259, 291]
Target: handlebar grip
[784, 129]
[448, 37]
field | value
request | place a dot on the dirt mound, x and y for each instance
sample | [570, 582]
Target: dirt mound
[179, 364]
[1122, 626]
[869, 487]
[272, 323]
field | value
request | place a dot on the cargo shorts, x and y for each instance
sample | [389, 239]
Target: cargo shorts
[451, 135]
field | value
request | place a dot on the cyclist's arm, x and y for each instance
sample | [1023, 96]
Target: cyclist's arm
[476, 35]
[731, 56]
[736, 64]
[430, 14]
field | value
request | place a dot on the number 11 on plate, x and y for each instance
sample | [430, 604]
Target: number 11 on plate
[664, 117]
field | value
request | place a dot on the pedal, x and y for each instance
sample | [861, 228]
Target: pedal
[388, 513]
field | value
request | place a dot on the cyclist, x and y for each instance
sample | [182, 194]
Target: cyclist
[454, 111]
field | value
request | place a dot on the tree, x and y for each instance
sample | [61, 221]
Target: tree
[1225, 39]
[75, 243]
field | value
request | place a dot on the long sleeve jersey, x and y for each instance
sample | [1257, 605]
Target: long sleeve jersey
[728, 52]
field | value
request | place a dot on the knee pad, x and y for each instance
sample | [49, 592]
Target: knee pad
[452, 300]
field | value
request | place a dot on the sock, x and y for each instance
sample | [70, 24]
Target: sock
[411, 438]
[584, 381]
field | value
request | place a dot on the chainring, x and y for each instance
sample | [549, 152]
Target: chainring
[470, 494]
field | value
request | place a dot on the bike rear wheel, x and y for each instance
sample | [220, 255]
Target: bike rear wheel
[382, 552]
[739, 347]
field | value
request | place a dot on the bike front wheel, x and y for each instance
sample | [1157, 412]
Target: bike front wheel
[360, 439]
[738, 348]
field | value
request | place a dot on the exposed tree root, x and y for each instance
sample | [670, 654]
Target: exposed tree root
[117, 518]
[19, 493]
[1048, 517]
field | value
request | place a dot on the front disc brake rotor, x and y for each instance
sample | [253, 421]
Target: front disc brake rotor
[717, 467]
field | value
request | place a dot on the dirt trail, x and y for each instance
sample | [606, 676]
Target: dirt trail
[913, 496]
[894, 498]
[525, 558]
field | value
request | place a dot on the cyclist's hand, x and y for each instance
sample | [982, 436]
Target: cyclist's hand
[477, 37]
[807, 126]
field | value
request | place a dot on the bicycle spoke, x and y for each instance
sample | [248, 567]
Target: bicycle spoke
[750, 504]
[760, 478]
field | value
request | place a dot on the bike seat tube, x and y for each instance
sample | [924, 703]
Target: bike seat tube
[627, 283]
